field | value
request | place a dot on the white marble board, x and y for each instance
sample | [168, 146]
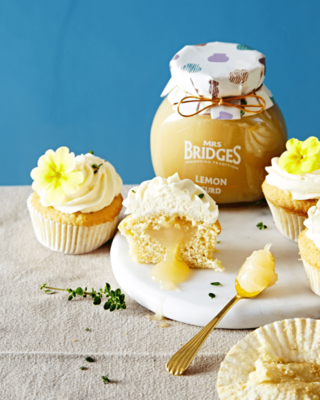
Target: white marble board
[290, 298]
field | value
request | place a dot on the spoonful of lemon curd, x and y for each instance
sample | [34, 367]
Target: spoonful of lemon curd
[256, 274]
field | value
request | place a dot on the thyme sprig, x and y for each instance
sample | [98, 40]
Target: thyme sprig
[115, 299]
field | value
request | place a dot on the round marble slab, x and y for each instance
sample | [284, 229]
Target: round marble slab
[290, 298]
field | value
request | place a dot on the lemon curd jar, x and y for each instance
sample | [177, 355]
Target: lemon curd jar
[219, 125]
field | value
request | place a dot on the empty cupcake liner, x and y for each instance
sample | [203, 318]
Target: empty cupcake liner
[70, 239]
[313, 276]
[289, 225]
[292, 343]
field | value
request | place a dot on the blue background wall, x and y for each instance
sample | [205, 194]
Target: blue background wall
[67, 65]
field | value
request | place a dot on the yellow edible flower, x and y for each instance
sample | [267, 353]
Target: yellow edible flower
[301, 157]
[56, 176]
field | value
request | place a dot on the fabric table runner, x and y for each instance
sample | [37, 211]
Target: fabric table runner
[43, 338]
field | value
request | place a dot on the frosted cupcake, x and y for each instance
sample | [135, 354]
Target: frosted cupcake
[292, 185]
[172, 223]
[76, 201]
[309, 246]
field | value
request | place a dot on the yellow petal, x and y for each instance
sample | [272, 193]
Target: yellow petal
[311, 146]
[54, 194]
[49, 155]
[290, 162]
[64, 161]
[70, 181]
[310, 164]
[36, 173]
[293, 145]
[41, 181]
[39, 186]
[45, 163]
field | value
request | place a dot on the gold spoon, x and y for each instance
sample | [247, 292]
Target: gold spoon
[181, 360]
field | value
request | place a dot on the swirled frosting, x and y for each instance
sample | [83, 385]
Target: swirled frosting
[97, 189]
[302, 187]
[171, 196]
[313, 224]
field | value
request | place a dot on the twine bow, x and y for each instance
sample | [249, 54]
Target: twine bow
[224, 101]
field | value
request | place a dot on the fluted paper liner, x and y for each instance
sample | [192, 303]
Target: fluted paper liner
[70, 239]
[289, 341]
[289, 225]
[313, 276]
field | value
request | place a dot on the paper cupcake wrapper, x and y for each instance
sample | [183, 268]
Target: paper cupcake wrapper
[70, 239]
[290, 225]
[313, 276]
[292, 341]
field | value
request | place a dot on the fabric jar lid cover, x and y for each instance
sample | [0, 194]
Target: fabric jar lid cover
[217, 70]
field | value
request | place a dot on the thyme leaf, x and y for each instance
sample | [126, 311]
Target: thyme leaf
[105, 379]
[261, 226]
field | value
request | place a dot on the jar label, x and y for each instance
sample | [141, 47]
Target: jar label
[211, 151]
[214, 153]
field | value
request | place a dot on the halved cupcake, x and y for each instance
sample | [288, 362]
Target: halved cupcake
[171, 221]
[76, 203]
[292, 185]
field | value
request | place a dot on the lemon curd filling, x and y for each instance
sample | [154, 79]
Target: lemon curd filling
[171, 270]
[257, 273]
[158, 316]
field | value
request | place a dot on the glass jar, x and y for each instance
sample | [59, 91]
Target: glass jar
[227, 157]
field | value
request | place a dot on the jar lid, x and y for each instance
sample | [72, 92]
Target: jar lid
[216, 70]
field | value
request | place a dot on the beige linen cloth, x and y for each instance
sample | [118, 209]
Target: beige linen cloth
[38, 357]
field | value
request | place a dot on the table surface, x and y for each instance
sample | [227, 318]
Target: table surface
[43, 338]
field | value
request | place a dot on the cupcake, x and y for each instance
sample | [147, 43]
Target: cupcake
[172, 223]
[292, 185]
[309, 246]
[277, 361]
[76, 201]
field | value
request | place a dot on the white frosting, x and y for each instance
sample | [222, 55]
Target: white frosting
[97, 189]
[171, 196]
[302, 187]
[313, 224]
